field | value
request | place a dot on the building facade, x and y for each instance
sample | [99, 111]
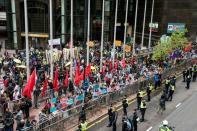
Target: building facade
[12, 11]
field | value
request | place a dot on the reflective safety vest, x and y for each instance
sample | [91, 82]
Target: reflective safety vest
[167, 81]
[143, 105]
[164, 128]
[141, 94]
[84, 126]
[151, 87]
[172, 88]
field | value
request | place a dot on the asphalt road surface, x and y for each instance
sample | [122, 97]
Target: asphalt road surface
[181, 112]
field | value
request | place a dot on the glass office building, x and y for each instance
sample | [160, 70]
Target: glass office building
[38, 20]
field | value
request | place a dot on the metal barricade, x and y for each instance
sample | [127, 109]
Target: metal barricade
[69, 118]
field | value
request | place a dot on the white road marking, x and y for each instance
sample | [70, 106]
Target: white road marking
[178, 105]
[149, 128]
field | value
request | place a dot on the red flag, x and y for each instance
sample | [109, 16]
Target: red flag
[30, 85]
[44, 87]
[116, 65]
[110, 66]
[32, 80]
[77, 79]
[88, 70]
[66, 79]
[123, 63]
[26, 91]
[55, 81]
[81, 77]
[104, 68]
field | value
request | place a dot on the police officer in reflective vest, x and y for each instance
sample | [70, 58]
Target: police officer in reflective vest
[164, 126]
[83, 126]
[171, 92]
[167, 85]
[148, 91]
[139, 98]
[142, 109]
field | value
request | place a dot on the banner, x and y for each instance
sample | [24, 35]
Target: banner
[172, 27]
[127, 48]
[54, 42]
[118, 43]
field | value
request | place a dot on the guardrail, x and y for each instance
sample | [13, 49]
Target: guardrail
[68, 119]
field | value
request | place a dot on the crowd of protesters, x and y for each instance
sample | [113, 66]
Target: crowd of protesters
[16, 107]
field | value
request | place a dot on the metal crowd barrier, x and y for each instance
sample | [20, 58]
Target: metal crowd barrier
[68, 119]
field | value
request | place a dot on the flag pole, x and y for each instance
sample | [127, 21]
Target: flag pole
[71, 39]
[26, 39]
[144, 23]
[51, 38]
[151, 21]
[88, 33]
[115, 24]
[102, 33]
[134, 33]
[125, 29]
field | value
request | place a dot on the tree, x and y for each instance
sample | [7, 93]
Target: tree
[169, 44]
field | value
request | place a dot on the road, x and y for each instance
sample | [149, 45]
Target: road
[176, 111]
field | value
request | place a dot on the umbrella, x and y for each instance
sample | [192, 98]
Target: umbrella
[17, 61]
[21, 66]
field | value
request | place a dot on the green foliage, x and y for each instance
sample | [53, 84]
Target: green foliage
[176, 41]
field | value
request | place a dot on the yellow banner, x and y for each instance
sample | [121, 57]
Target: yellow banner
[118, 43]
[127, 48]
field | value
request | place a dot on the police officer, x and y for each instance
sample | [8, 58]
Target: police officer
[135, 120]
[148, 91]
[83, 126]
[82, 114]
[171, 92]
[139, 98]
[173, 80]
[125, 105]
[164, 126]
[167, 85]
[114, 119]
[184, 75]
[188, 81]
[142, 109]
[110, 113]
[194, 72]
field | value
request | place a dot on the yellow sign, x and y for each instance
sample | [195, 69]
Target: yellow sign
[91, 43]
[118, 43]
[127, 48]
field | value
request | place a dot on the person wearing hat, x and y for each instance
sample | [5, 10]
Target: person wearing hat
[165, 127]
[142, 109]
[114, 119]
[125, 105]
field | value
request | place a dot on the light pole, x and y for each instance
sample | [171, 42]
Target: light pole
[102, 33]
[88, 33]
[151, 21]
[134, 32]
[71, 38]
[51, 38]
[26, 39]
[144, 23]
[125, 29]
[115, 24]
